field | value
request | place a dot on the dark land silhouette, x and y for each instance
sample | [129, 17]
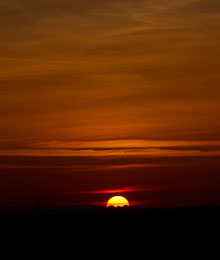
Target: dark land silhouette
[75, 211]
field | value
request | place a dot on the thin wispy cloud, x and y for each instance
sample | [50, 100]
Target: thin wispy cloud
[115, 147]
[113, 191]
[41, 61]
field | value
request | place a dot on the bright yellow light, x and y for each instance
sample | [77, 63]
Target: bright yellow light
[117, 201]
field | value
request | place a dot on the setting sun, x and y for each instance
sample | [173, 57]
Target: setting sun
[117, 201]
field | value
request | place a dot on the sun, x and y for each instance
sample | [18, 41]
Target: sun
[117, 201]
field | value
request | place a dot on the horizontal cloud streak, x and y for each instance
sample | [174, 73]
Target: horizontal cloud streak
[158, 148]
[112, 191]
[106, 163]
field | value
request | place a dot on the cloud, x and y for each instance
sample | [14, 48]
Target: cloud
[88, 69]
[121, 190]
[203, 7]
[104, 155]
[140, 189]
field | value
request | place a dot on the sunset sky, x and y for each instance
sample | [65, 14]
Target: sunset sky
[100, 98]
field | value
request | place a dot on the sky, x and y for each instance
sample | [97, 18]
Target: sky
[110, 97]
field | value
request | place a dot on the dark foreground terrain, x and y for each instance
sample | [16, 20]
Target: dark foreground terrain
[211, 212]
[128, 223]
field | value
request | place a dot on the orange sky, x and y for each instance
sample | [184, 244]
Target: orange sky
[125, 78]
